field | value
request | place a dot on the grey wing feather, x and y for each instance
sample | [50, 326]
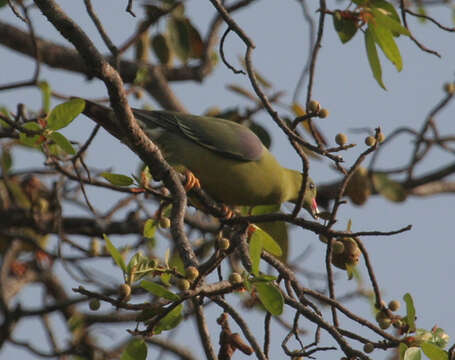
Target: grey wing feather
[222, 136]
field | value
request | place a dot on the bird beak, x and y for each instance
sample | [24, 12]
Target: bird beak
[314, 209]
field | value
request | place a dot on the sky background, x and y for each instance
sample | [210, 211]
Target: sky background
[420, 261]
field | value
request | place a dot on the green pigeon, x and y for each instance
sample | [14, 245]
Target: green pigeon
[229, 160]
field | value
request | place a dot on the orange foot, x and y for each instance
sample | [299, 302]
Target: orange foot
[18, 268]
[227, 213]
[191, 181]
[43, 258]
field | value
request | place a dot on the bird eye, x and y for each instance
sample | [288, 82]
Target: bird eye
[311, 186]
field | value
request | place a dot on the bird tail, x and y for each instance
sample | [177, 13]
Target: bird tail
[104, 116]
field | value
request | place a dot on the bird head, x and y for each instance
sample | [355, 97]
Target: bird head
[309, 200]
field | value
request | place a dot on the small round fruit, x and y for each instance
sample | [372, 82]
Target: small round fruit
[125, 291]
[338, 247]
[449, 88]
[165, 223]
[380, 315]
[359, 187]
[385, 323]
[381, 137]
[223, 243]
[314, 106]
[370, 141]
[235, 278]
[398, 324]
[94, 304]
[349, 257]
[183, 284]
[138, 94]
[394, 305]
[341, 139]
[323, 113]
[368, 348]
[191, 273]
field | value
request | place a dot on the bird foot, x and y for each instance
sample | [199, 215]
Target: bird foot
[43, 259]
[227, 213]
[191, 181]
[18, 268]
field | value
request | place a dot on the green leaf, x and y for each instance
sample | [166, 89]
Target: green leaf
[421, 10]
[278, 231]
[389, 22]
[167, 255]
[32, 126]
[345, 28]
[239, 90]
[138, 267]
[4, 111]
[262, 133]
[159, 290]
[171, 320]
[117, 179]
[265, 209]
[142, 75]
[259, 77]
[7, 160]
[196, 43]
[434, 352]
[255, 250]
[62, 115]
[179, 37]
[351, 271]
[247, 281]
[349, 226]
[412, 353]
[410, 312]
[389, 9]
[268, 243]
[46, 95]
[115, 253]
[384, 38]
[373, 57]
[264, 278]
[176, 262]
[390, 189]
[150, 228]
[63, 142]
[161, 49]
[402, 350]
[440, 338]
[270, 297]
[18, 194]
[27, 140]
[3, 3]
[31, 141]
[135, 350]
[166, 279]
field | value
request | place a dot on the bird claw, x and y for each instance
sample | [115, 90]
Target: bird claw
[191, 181]
[227, 213]
[18, 268]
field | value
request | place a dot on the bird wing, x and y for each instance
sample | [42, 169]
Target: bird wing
[223, 136]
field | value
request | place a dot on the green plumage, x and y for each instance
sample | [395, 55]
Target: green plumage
[229, 160]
